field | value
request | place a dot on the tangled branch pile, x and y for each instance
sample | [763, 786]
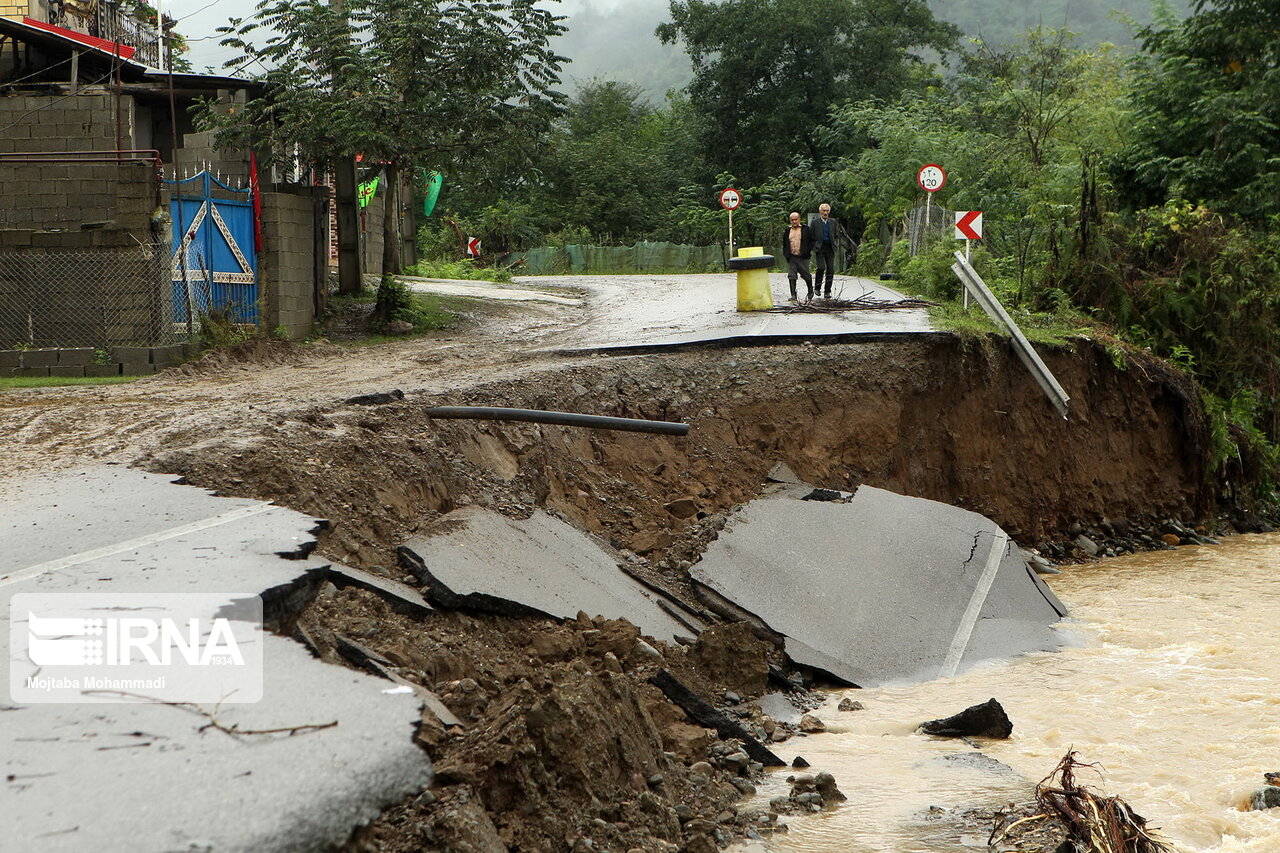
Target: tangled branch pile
[862, 303]
[1093, 823]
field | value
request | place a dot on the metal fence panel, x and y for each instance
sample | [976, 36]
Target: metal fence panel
[93, 298]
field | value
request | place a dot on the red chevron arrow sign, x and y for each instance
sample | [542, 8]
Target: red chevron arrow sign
[969, 225]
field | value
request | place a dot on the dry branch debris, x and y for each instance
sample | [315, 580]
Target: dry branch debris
[1094, 823]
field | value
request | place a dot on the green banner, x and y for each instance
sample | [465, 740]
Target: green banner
[367, 191]
[433, 181]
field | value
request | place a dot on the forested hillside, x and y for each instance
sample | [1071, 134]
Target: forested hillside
[615, 41]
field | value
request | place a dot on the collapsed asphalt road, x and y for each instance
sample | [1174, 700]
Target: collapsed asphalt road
[324, 749]
[552, 732]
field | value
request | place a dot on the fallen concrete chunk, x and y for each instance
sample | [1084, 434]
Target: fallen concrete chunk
[985, 720]
[881, 588]
[705, 715]
[142, 775]
[537, 566]
[402, 597]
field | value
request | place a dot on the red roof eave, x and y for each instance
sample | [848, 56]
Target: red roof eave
[123, 51]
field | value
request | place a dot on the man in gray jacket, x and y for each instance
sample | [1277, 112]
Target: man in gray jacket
[825, 233]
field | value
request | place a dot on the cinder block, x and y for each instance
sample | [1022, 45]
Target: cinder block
[39, 358]
[30, 371]
[9, 359]
[131, 355]
[67, 370]
[168, 355]
[77, 355]
[102, 370]
[137, 368]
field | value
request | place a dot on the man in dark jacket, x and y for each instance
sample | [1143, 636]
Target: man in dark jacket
[797, 244]
[825, 233]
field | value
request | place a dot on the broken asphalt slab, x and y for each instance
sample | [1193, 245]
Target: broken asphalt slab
[880, 587]
[477, 558]
[148, 776]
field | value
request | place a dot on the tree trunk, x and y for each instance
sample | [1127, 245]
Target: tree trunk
[391, 222]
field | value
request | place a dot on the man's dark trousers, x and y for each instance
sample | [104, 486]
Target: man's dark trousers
[824, 258]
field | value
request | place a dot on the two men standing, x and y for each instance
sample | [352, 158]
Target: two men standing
[800, 241]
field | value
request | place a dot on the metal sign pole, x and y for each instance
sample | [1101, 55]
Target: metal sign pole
[965, 290]
[731, 253]
[928, 210]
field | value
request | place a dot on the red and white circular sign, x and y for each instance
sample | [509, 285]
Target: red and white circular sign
[932, 178]
[730, 199]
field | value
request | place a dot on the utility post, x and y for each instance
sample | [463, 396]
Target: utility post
[348, 212]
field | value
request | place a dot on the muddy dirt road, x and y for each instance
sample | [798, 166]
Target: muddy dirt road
[226, 392]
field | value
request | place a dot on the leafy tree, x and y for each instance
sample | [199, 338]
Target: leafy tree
[614, 162]
[766, 72]
[405, 83]
[1002, 22]
[1207, 105]
[606, 173]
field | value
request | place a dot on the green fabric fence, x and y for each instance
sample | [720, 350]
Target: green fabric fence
[640, 258]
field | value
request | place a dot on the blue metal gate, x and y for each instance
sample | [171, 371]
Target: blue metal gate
[214, 264]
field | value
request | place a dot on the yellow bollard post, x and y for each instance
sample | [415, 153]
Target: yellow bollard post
[752, 266]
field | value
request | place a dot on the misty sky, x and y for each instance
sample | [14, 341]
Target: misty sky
[198, 19]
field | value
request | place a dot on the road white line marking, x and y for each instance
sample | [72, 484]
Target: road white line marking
[964, 632]
[134, 544]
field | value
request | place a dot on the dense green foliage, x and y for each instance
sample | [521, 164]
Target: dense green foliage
[403, 83]
[765, 72]
[1206, 110]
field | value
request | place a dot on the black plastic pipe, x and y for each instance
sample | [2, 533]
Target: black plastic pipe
[490, 413]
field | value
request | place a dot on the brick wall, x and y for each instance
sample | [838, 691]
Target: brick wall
[16, 9]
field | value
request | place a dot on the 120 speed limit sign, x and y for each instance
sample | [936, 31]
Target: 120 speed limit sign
[932, 178]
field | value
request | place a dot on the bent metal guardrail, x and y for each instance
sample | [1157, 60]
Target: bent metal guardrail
[978, 289]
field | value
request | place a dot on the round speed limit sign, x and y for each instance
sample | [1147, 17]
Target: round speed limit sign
[932, 178]
[730, 199]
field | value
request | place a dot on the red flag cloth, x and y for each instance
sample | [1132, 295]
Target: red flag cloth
[257, 201]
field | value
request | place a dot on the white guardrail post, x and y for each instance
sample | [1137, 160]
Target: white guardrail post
[977, 288]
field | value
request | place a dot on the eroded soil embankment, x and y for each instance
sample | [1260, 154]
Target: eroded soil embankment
[567, 745]
[934, 419]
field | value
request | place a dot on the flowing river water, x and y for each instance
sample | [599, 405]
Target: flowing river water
[1170, 689]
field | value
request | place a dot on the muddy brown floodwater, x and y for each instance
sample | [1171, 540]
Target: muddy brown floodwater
[1172, 691]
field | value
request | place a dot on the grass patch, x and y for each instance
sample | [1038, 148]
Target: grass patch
[351, 321]
[464, 270]
[54, 381]
[1047, 329]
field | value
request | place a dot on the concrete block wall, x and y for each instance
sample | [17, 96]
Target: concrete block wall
[198, 153]
[288, 234]
[83, 122]
[107, 292]
[118, 361]
[372, 238]
[62, 197]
